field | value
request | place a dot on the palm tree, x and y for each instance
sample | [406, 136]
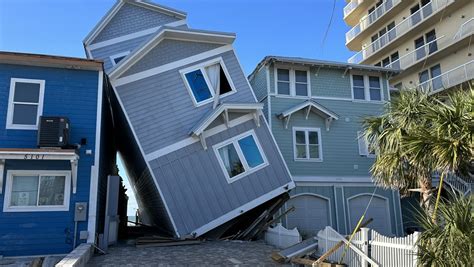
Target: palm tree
[418, 134]
[448, 240]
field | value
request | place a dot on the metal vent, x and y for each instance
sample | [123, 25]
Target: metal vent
[53, 132]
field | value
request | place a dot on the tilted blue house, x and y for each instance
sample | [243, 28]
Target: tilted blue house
[198, 152]
[315, 109]
[41, 189]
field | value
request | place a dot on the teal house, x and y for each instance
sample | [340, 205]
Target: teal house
[314, 109]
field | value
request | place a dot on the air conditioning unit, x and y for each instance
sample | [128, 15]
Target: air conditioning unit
[53, 132]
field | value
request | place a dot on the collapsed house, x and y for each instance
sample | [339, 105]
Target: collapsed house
[198, 152]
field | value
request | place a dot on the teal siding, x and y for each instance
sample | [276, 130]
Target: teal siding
[272, 79]
[339, 144]
[330, 83]
[259, 84]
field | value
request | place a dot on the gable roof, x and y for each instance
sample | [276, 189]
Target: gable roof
[119, 4]
[320, 63]
[313, 106]
[214, 114]
[166, 32]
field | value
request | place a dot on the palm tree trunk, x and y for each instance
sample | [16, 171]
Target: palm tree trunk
[426, 200]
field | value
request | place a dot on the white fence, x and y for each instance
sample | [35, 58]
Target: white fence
[385, 251]
[281, 237]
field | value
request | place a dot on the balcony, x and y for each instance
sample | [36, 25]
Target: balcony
[434, 47]
[449, 78]
[369, 20]
[405, 26]
[355, 9]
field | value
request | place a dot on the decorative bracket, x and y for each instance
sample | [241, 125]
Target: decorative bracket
[328, 123]
[256, 117]
[308, 110]
[74, 175]
[203, 141]
[2, 169]
[345, 72]
[287, 121]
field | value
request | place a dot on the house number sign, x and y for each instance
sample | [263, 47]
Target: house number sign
[34, 156]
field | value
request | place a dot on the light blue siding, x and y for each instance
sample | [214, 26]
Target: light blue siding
[194, 185]
[339, 144]
[330, 83]
[132, 18]
[105, 52]
[168, 51]
[150, 101]
[259, 84]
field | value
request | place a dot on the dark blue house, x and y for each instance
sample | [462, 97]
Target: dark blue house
[51, 198]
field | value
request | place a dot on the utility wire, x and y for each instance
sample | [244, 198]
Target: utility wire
[323, 42]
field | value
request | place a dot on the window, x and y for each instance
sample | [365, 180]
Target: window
[433, 74]
[365, 149]
[384, 35]
[207, 80]
[25, 104]
[428, 39]
[37, 191]
[375, 89]
[292, 82]
[367, 88]
[358, 87]
[283, 81]
[307, 144]
[240, 156]
[118, 57]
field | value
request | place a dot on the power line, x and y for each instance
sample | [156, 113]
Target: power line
[329, 26]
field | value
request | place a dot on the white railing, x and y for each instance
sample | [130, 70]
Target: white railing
[418, 54]
[371, 18]
[401, 28]
[351, 6]
[450, 78]
[383, 250]
[465, 29]
[460, 184]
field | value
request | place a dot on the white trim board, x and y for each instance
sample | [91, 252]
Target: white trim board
[191, 140]
[242, 209]
[170, 66]
[333, 179]
[94, 183]
[134, 35]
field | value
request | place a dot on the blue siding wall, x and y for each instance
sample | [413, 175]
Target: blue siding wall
[70, 93]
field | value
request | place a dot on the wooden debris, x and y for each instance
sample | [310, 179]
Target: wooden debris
[171, 243]
[296, 250]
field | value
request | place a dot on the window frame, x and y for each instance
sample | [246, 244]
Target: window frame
[11, 104]
[9, 186]
[234, 141]
[202, 67]
[306, 130]
[367, 88]
[292, 72]
[362, 141]
[122, 54]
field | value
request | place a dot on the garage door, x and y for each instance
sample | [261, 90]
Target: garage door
[378, 210]
[311, 214]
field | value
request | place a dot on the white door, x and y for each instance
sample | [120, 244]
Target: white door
[311, 214]
[378, 210]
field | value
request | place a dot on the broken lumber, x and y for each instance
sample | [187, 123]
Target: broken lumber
[295, 250]
[340, 243]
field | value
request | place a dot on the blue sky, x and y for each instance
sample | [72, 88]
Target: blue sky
[263, 27]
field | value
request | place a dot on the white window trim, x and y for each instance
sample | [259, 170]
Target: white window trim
[202, 67]
[292, 81]
[367, 88]
[10, 124]
[362, 141]
[320, 145]
[9, 185]
[113, 57]
[234, 140]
